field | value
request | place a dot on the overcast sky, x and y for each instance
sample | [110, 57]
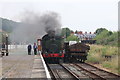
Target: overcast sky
[83, 15]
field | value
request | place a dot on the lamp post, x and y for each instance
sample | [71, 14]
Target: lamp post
[6, 44]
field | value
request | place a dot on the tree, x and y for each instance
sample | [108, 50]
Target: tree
[76, 32]
[98, 31]
[72, 38]
[106, 37]
[66, 32]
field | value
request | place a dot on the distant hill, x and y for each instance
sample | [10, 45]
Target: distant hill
[9, 25]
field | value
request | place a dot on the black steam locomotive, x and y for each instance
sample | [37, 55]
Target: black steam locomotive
[54, 50]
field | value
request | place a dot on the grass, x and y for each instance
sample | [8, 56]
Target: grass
[94, 58]
[97, 55]
[112, 65]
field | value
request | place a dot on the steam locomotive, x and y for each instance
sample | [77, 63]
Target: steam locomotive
[54, 50]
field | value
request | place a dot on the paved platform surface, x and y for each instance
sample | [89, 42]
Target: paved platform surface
[20, 65]
[38, 70]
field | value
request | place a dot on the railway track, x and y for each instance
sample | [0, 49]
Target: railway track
[102, 74]
[58, 72]
[87, 71]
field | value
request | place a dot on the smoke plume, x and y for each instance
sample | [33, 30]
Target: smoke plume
[34, 26]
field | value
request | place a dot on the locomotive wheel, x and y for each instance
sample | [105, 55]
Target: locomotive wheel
[82, 60]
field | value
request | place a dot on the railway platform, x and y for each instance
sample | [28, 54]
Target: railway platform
[21, 65]
[39, 68]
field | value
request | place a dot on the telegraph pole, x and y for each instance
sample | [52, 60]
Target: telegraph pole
[7, 45]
